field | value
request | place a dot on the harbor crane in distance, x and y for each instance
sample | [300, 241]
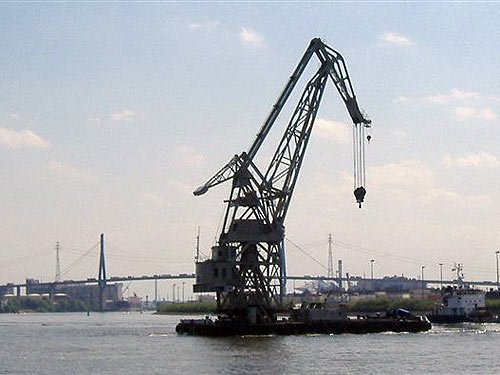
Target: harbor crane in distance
[247, 267]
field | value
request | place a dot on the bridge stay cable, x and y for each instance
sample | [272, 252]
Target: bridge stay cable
[72, 264]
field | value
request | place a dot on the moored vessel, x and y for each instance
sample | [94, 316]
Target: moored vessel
[462, 304]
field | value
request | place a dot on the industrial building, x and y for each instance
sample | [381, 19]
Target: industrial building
[112, 293]
[6, 290]
[388, 284]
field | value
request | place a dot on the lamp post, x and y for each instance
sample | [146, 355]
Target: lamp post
[156, 290]
[423, 281]
[183, 283]
[496, 254]
[441, 274]
[371, 273]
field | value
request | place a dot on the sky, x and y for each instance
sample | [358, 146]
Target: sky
[111, 114]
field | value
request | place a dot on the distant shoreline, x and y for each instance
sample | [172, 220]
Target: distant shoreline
[359, 307]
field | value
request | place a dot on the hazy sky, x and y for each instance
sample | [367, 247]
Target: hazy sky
[112, 114]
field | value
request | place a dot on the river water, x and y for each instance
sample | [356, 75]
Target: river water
[135, 343]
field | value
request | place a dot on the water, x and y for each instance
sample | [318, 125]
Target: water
[118, 343]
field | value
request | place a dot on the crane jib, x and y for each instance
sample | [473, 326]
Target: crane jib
[339, 77]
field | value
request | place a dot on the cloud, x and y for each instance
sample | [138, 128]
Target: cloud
[251, 37]
[399, 134]
[70, 172]
[464, 113]
[470, 202]
[155, 199]
[411, 183]
[480, 160]
[465, 102]
[420, 183]
[395, 39]
[126, 115]
[95, 120]
[401, 99]
[440, 195]
[207, 26]
[189, 156]
[461, 95]
[16, 139]
[453, 96]
[487, 114]
[405, 174]
[333, 130]
[181, 186]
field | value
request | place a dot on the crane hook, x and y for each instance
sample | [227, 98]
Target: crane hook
[360, 193]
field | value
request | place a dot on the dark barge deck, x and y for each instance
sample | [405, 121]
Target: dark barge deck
[203, 327]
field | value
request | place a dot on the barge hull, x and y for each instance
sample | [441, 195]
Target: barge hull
[356, 326]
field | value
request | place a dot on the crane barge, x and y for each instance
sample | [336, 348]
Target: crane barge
[247, 269]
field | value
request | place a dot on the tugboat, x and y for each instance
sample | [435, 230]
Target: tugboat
[462, 304]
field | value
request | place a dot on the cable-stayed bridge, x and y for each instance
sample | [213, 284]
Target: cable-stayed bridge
[103, 278]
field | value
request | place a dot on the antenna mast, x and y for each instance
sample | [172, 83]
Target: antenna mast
[197, 258]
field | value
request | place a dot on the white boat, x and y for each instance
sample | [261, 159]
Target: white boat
[462, 303]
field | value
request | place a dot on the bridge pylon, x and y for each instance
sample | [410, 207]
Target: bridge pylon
[102, 273]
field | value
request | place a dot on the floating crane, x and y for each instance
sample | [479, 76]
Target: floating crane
[247, 268]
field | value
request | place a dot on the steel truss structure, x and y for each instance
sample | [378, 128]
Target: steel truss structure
[247, 268]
